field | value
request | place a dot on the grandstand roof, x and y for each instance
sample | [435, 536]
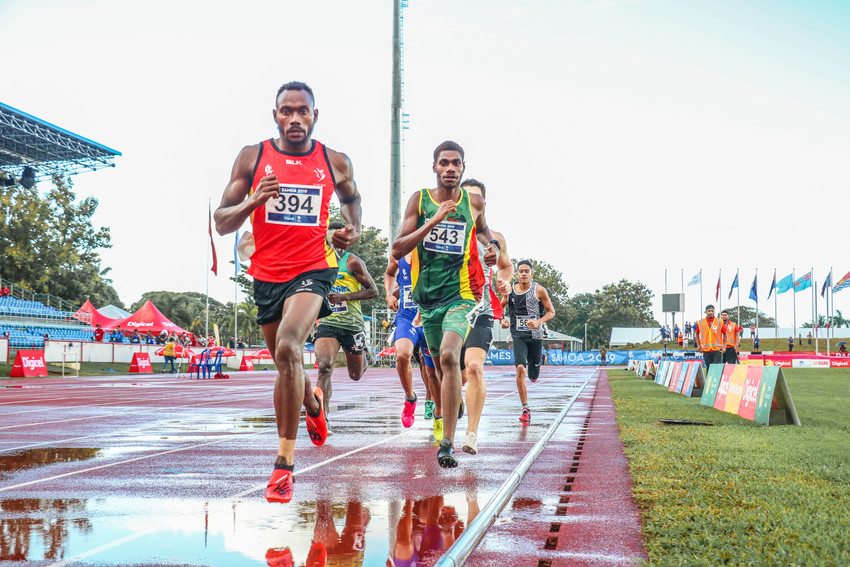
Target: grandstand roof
[29, 141]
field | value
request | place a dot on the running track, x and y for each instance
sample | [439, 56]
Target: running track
[158, 470]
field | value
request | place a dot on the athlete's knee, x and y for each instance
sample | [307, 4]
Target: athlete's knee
[474, 369]
[287, 351]
[449, 358]
[326, 365]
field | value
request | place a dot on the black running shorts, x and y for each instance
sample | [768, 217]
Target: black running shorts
[352, 342]
[527, 353]
[270, 296]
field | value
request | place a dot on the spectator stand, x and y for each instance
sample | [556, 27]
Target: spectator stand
[28, 323]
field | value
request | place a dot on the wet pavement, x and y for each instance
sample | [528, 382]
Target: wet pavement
[168, 471]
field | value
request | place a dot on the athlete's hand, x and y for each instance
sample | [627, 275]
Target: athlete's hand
[532, 324]
[490, 255]
[267, 188]
[446, 208]
[503, 287]
[392, 302]
[506, 323]
[336, 298]
[345, 237]
[417, 320]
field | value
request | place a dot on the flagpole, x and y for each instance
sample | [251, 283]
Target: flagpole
[737, 276]
[719, 294]
[814, 308]
[700, 287]
[793, 286]
[757, 301]
[828, 312]
[775, 314]
[207, 309]
[683, 293]
[665, 291]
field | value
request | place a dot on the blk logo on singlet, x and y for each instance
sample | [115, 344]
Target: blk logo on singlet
[320, 173]
[293, 162]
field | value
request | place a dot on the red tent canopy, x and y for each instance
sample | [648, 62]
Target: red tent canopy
[149, 318]
[96, 317]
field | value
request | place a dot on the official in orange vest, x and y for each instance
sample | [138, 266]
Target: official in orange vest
[710, 338]
[733, 332]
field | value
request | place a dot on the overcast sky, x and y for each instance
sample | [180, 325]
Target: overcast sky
[616, 138]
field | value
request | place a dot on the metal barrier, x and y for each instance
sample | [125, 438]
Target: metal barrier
[463, 546]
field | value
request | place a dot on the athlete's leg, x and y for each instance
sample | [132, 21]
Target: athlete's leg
[403, 354]
[450, 348]
[535, 350]
[285, 339]
[356, 364]
[520, 385]
[521, 361]
[476, 388]
[326, 349]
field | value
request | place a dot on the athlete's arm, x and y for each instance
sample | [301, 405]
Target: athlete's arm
[543, 296]
[482, 231]
[389, 283]
[357, 268]
[408, 235]
[506, 320]
[504, 266]
[349, 200]
[235, 207]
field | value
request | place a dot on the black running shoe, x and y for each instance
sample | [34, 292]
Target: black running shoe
[446, 455]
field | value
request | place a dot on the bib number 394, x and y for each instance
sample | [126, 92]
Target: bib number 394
[447, 238]
[295, 205]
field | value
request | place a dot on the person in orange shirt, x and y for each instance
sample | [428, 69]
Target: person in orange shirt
[710, 338]
[733, 332]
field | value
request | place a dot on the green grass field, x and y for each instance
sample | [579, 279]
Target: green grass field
[739, 493]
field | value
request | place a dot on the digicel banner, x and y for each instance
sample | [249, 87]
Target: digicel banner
[29, 363]
[141, 363]
[756, 393]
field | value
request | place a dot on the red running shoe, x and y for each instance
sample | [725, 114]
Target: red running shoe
[280, 487]
[407, 414]
[318, 556]
[279, 557]
[526, 415]
[317, 427]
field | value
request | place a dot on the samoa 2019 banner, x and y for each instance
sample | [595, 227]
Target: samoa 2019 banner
[505, 357]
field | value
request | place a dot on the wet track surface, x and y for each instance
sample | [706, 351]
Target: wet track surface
[158, 470]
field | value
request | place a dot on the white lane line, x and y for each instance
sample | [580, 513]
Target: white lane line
[104, 547]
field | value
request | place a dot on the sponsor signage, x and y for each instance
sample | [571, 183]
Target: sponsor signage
[839, 363]
[712, 384]
[736, 388]
[674, 376]
[28, 364]
[141, 363]
[757, 393]
[247, 363]
[810, 363]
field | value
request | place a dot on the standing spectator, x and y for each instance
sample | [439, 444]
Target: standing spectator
[709, 338]
[800, 339]
[676, 333]
[790, 344]
[681, 339]
[752, 331]
[117, 335]
[756, 343]
[149, 338]
[809, 337]
[231, 343]
[135, 338]
[98, 334]
[240, 343]
[603, 356]
[170, 348]
[733, 332]
[5, 292]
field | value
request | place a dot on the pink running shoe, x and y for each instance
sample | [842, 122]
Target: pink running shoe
[317, 427]
[408, 413]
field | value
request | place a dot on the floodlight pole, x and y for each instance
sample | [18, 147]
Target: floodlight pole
[395, 132]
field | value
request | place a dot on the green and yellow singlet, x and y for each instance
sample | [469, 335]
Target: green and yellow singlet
[441, 270]
[346, 314]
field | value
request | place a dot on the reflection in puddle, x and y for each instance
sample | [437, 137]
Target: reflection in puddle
[44, 456]
[139, 531]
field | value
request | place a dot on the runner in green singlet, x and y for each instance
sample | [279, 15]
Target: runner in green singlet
[440, 227]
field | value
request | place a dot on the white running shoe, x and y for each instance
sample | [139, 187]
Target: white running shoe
[470, 445]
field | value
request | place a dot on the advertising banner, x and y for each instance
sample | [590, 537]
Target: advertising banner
[694, 380]
[247, 363]
[774, 405]
[28, 364]
[712, 384]
[674, 378]
[736, 388]
[141, 363]
[723, 387]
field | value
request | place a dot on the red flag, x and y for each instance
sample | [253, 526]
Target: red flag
[215, 262]
[717, 294]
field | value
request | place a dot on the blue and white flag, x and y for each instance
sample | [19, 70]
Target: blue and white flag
[785, 284]
[803, 283]
[697, 279]
[753, 291]
[773, 284]
[734, 285]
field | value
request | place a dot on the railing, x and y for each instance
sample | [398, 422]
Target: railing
[47, 299]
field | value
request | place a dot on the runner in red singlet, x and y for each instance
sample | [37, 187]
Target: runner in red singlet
[284, 186]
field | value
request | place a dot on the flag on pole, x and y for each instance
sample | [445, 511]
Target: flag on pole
[215, 262]
[734, 285]
[236, 254]
[697, 279]
[842, 283]
[717, 293]
[753, 291]
[772, 285]
[803, 283]
[826, 283]
[785, 284]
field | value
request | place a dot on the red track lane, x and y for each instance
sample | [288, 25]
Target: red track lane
[154, 470]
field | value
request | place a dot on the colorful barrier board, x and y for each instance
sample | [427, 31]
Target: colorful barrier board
[141, 363]
[759, 394]
[29, 363]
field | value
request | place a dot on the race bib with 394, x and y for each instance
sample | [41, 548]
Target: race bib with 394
[295, 205]
[446, 238]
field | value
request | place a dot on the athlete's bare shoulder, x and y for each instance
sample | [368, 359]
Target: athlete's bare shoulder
[247, 157]
[341, 164]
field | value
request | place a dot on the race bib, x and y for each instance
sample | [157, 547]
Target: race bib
[295, 205]
[341, 307]
[446, 238]
[522, 322]
[408, 298]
